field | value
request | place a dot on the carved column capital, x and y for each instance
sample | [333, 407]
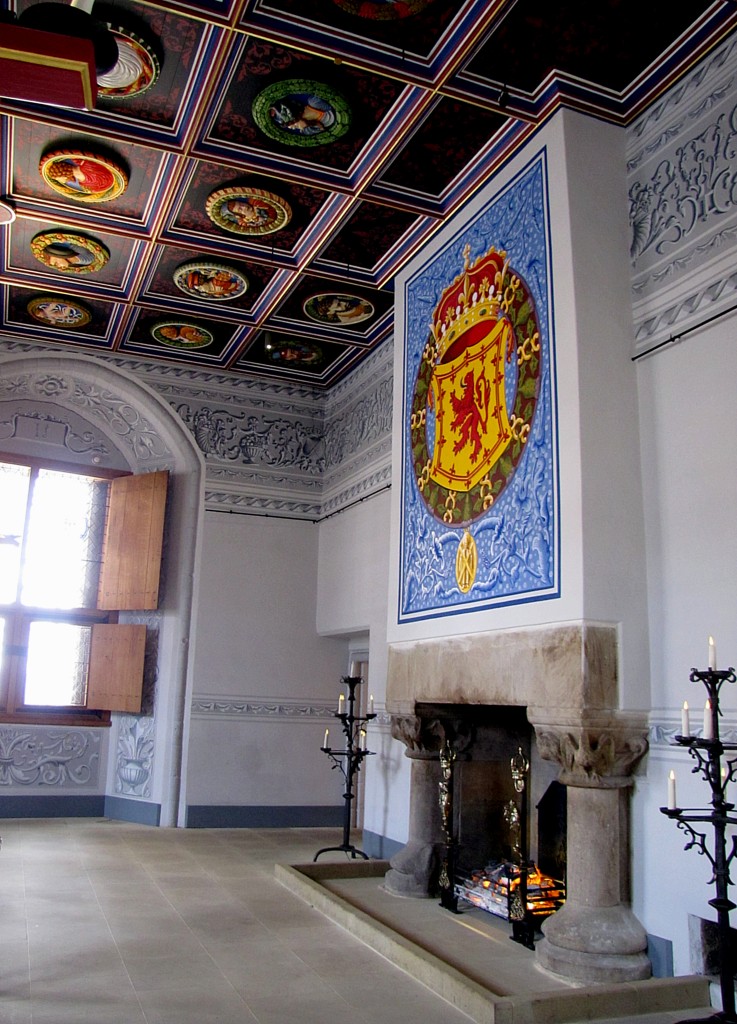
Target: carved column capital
[423, 736]
[596, 752]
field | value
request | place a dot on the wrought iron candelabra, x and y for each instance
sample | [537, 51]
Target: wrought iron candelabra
[349, 760]
[707, 751]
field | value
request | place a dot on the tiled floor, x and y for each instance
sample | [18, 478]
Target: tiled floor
[111, 923]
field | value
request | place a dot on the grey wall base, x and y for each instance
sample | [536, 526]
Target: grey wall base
[97, 806]
[138, 811]
[379, 847]
[209, 816]
[52, 806]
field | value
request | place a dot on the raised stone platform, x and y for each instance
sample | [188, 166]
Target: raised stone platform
[469, 960]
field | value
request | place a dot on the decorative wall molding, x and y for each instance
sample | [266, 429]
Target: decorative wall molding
[682, 191]
[135, 755]
[254, 708]
[662, 732]
[96, 403]
[230, 501]
[272, 449]
[37, 756]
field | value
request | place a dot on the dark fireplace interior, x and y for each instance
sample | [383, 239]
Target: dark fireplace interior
[485, 740]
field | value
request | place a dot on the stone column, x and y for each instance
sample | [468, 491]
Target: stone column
[414, 870]
[595, 937]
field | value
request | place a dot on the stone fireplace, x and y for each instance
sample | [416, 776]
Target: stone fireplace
[565, 676]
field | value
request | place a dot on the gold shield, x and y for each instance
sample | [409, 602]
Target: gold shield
[472, 427]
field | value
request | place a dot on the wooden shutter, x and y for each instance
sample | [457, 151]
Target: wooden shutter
[115, 673]
[129, 578]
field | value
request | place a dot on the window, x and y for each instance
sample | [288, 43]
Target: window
[75, 550]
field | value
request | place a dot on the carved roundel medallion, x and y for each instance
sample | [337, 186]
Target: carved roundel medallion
[136, 69]
[248, 211]
[300, 112]
[58, 311]
[84, 177]
[69, 253]
[475, 394]
[338, 308]
[214, 282]
[295, 354]
[383, 10]
[179, 334]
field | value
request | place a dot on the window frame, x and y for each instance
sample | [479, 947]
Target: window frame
[19, 617]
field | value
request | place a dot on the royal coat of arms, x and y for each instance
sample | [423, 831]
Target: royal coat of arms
[475, 397]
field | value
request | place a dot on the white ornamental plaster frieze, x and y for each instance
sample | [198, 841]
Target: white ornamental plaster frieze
[135, 755]
[31, 424]
[241, 474]
[365, 488]
[360, 425]
[261, 505]
[261, 440]
[49, 757]
[600, 754]
[259, 707]
[109, 408]
[682, 189]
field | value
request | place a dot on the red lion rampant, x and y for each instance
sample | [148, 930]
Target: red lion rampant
[471, 411]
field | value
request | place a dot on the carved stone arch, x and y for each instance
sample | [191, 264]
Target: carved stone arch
[144, 434]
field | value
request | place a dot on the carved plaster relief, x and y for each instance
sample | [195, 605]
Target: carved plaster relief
[49, 757]
[682, 191]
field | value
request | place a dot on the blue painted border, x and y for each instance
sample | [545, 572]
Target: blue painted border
[480, 597]
[216, 816]
[138, 811]
[92, 806]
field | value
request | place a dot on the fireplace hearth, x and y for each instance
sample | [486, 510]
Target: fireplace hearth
[559, 685]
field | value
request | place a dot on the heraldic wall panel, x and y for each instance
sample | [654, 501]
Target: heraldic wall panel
[479, 509]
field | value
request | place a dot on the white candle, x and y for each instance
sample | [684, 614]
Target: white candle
[685, 723]
[353, 670]
[325, 741]
[708, 724]
[712, 654]
[371, 704]
[364, 738]
[671, 790]
[341, 704]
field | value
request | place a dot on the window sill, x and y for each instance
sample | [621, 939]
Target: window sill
[88, 719]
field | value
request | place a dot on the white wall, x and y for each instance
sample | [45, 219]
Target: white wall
[263, 678]
[352, 591]
[688, 413]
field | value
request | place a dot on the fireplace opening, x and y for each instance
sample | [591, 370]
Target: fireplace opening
[503, 816]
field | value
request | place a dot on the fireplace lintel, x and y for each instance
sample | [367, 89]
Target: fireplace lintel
[572, 665]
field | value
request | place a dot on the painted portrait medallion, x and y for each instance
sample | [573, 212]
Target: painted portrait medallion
[178, 334]
[248, 211]
[214, 282]
[136, 70]
[300, 112]
[85, 177]
[383, 10]
[69, 253]
[297, 354]
[330, 308]
[58, 311]
[476, 392]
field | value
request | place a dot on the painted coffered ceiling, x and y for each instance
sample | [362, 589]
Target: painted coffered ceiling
[254, 172]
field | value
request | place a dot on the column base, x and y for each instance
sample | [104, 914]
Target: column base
[594, 968]
[414, 871]
[602, 944]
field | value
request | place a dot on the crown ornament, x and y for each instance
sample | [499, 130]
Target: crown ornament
[481, 293]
